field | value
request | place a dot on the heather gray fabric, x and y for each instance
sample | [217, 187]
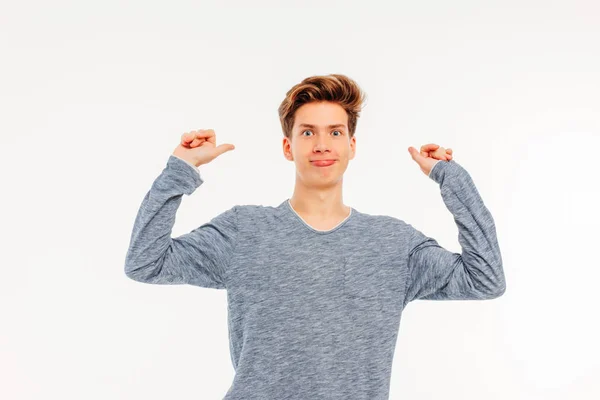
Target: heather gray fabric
[314, 314]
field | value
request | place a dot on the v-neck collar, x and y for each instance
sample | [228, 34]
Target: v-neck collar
[287, 206]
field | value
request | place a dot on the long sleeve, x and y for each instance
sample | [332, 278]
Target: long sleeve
[199, 257]
[189, 163]
[476, 273]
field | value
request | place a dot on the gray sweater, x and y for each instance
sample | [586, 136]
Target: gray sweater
[314, 314]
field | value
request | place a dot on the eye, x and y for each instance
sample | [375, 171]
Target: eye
[308, 130]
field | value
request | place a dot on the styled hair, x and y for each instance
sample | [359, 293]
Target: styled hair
[336, 88]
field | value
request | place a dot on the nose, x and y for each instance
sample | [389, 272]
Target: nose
[321, 146]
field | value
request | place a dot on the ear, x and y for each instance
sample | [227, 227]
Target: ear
[352, 147]
[287, 149]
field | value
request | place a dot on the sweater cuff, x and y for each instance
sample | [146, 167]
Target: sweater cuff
[190, 172]
[188, 163]
[441, 168]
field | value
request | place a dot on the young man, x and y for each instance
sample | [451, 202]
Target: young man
[315, 288]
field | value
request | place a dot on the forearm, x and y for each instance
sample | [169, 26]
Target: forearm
[479, 271]
[148, 258]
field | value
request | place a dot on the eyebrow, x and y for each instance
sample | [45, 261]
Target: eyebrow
[329, 126]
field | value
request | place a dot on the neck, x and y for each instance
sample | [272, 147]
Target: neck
[319, 203]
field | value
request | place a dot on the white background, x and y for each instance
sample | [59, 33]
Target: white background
[94, 97]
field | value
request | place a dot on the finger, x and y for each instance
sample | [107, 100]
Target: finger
[223, 148]
[429, 147]
[191, 135]
[186, 141]
[196, 142]
[210, 136]
[439, 156]
[415, 154]
[186, 137]
[449, 150]
[202, 133]
[205, 134]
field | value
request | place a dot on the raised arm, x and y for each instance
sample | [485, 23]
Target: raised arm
[199, 257]
[476, 273]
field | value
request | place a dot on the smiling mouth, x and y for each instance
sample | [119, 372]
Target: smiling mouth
[323, 163]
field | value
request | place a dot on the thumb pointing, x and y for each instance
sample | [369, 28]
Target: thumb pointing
[222, 148]
[414, 153]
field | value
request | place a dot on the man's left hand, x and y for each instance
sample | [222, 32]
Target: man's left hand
[429, 155]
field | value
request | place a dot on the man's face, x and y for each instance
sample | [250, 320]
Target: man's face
[313, 138]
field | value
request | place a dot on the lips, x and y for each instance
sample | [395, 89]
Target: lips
[322, 163]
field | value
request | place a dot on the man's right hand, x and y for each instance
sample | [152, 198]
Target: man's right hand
[200, 147]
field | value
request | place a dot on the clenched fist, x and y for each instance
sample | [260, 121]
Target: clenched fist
[200, 147]
[430, 154]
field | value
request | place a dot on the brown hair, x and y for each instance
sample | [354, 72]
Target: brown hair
[336, 88]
